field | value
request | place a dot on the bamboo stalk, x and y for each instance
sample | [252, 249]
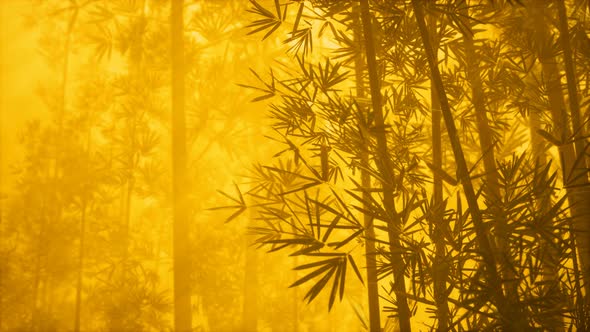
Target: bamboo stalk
[440, 266]
[385, 168]
[80, 268]
[370, 251]
[181, 264]
[574, 176]
[251, 285]
[572, 86]
[512, 319]
[492, 187]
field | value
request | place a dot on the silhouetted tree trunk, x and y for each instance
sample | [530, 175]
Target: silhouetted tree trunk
[136, 77]
[37, 277]
[440, 265]
[2, 272]
[572, 87]
[127, 190]
[181, 260]
[81, 237]
[512, 318]
[250, 306]
[80, 267]
[385, 168]
[574, 173]
[492, 187]
[550, 261]
[295, 299]
[580, 144]
[59, 139]
[370, 251]
[2, 266]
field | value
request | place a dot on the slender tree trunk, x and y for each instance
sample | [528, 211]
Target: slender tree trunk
[181, 264]
[580, 142]
[127, 190]
[549, 253]
[370, 256]
[512, 319]
[1, 172]
[250, 309]
[43, 326]
[2, 272]
[574, 174]
[295, 298]
[550, 257]
[582, 160]
[251, 285]
[37, 279]
[492, 188]
[128, 203]
[81, 237]
[385, 168]
[251, 274]
[440, 264]
[80, 268]
[483, 127]
[136, 76]
[370, 251]
[39, 301]
[65, 70]
[572, 87]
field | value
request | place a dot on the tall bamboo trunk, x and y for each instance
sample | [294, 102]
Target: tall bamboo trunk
[251, 274]
[579, 132]
[295, 299]
[80, 268]
[550, 260]
[2, 272]
[250, 308]
[385, 168]
[82, 238]
[62, 111]
[136, 75]
[511, 318]
[370, 251]
[440, 265]
[581, 143]
[251, 285]
[370, 256]
[127, 200]
[37, 278]
[128, 188]
[492, 188]
[181, 258]
[574, 174]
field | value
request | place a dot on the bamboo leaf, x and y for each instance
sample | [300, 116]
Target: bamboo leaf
[318, 263]
[311, 275]
[317, 288]
[549, 137]
[330, 228]
[355, 268]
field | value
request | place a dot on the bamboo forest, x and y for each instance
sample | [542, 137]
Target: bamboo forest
[294, 165]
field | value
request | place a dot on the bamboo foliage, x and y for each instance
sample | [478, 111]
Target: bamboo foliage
[494, 270]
